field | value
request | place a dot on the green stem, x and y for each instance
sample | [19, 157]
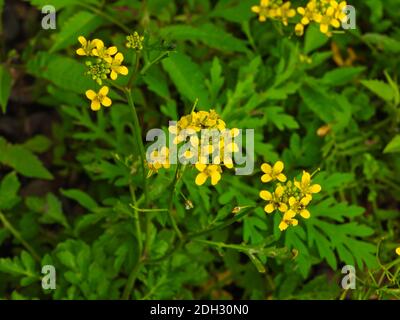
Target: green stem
[18, 236]
[106, 16]
[171, 203]
[137, 221]
[147, 66]
[134, 74]
[131, 281]
[139, 142]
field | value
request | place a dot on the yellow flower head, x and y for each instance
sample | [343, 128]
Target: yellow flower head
[116, 67]
[272, 173]
[274, 200]
[99, 98]
[288, 220]
[104, 53]
[158, 159]
[305, 185]
[212, 171]
[300, 206]
[284, 12]
[87, 46]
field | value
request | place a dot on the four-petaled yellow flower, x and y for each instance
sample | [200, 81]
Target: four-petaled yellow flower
[305, 185]
[116, 67]
[212, 171]
[272, 173]
[158, 159]
[288, 220]
[299, 206]
[104, 53]
[99, 98]
[87, 46]
[274, 200]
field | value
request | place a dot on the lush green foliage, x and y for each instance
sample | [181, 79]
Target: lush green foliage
[72, 193]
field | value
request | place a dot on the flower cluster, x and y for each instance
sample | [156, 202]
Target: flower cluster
[290, 198]
[105, 63]
[327, 13]
[135, 41]
[209, 145]
[274, 9]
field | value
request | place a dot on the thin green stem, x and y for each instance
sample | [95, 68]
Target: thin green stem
[135, 73]
[137, 221]
[7, 224]
[159, 58]
[105, 16]
[171, 202]
[131, 281]
[139, 142]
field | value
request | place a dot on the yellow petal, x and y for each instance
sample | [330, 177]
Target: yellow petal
[265, 3]
[123, 70]
[81, 52]
[215, 177]
[278, 167]
[283, 225]
[113, 75]
[294, 222]
[315, 188]
[104, 91]
[266, 178]
[265, 195]
[256, 9]
[398, 251]
[292, 201]
[200, 166]
[283, 207]
[269, 208]
[281, 177]
[106, 102]
[305, 213]
[324, 28]
[289, 215]
[95, 105]
[99, 44]
[90, 94]
[279, 191]
[113, 50]
[201, 178]
[82, 41]
[301, 11]
[305, 179]
[266, 168]
[262, 18]
[305, 21]
[335, 23]
[305, 201]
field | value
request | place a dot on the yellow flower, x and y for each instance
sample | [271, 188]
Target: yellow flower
[285, 12]
[288, 220]
[212, 171]
[398, 251]
[87, 46]
[272, 173]
[263, 10]
[116, 67]
[158, 159]
[299, 206]
[305, 185]
[274, 200]
[104, 53]
[99, 98]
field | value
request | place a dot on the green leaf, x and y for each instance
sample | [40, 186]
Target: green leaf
[81, 197]
[5, 87]
[66, 73]
[383, 42]
[82, 23]
[208, 33]
[187, 77]
[23, 161]
[53, 212]
[38, 144]
[233, 10]
[314, 39]
[9, 188]
[341, 76]
[393, 146]
[281, 120]
[380, 88]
